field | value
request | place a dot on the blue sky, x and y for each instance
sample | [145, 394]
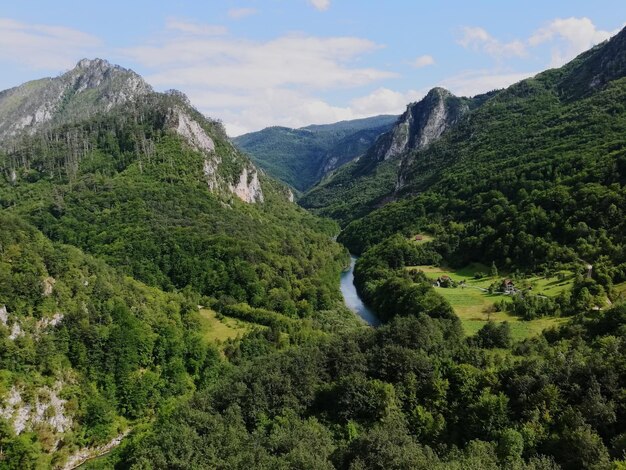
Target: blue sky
[255, 63]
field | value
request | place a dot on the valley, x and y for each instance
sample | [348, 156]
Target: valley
[443, 289]
[351, 296]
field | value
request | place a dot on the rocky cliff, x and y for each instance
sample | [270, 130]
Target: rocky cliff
[377, 174]
[92, 86]
[96, 87]
[422, 123]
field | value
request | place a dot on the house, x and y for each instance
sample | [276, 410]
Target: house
[444, 281]
[508, 287]
[418, 238]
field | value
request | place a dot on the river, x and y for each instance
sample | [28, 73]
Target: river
[351, 297]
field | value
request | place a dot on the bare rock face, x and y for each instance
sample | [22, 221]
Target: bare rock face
[193, 133]
[47, 408]
[248, 188]
[90, 87]
[48, 286]
[421, 124]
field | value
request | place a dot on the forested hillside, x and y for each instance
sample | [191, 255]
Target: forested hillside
[411, 394]
[171, 216]
[354, 189]
[532, 177]
[131, 189]
[84, 349]
[302, 157]
[161, 298]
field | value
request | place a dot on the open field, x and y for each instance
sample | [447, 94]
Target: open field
[473, 304]
[425, 238]
[218, 331]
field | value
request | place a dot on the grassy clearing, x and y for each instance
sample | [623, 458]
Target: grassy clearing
[473, 305]
[621, 290]
[425, 238]
[218, 331]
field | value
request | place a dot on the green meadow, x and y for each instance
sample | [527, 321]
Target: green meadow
[219, 330]
[474, 305]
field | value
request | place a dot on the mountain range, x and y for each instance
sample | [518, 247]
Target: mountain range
[165, 303]
[123, 209]
[302, 157]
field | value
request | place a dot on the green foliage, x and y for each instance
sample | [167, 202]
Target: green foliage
[407, 396]
[384, 284]
[138, 199]
[310, 390]
[301, 157]
[525, 193]
[123, 342]
[128, 191]
[493, 335]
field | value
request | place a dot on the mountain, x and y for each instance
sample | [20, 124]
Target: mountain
[531, 176]
[301, 157]
[92, 86]
[473, 142]
[372, 177]
[164, 303]
[121, 211]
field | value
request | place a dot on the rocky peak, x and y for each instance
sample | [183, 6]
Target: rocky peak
[85, 64]
[95, 86]
[422, 123]
[58, 100]
[90, 74]
[594, 69]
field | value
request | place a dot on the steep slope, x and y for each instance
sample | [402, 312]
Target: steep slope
[92, 86]
[115, 223]
[594, 69]
[532, 178]
[354, 188]
[158, 190]
[84, 349]
[301, 157]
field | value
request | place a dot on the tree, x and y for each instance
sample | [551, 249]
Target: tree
[493, 335]
[493, 272]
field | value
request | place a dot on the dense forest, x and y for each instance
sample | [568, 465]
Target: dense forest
[302, 157]
[112, 234]
[124, 232]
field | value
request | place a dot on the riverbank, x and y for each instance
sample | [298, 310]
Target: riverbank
[351, 297]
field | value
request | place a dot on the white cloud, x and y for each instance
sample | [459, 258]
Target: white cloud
[242, 64]
[252, 84]
[43, 46]
[570, 37]
[238, 13]
[567, 36]
[480, 40]
[244, 111]
[384, 101]
[423, 61]
[247, 112]
[480, 81]
[190, 27]
[320, 5]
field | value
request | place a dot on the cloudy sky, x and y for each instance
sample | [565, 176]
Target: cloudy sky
[256, 63]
